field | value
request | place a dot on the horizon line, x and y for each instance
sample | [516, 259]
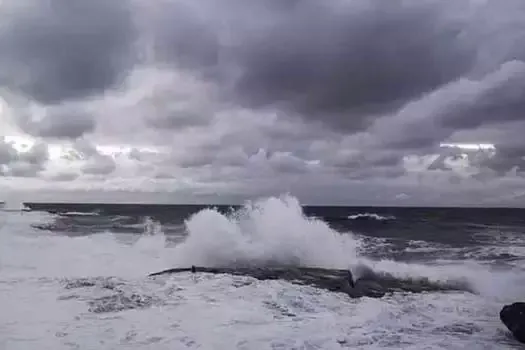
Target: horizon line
[65, 204]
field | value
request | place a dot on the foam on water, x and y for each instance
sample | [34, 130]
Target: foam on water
[219, 311]
[371, 216]
[241, 313]
[30, 253]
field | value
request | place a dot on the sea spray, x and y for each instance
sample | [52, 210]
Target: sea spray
[269, 231]
[275, 231]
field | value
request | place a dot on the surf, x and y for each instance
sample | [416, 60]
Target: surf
[275, 231]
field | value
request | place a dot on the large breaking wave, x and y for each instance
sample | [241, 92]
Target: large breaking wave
[272, 230]
[275, 231]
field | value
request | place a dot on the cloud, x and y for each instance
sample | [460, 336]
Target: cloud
[333, 101]
[465, 104]
[61, 49]
[22, 163]
[353, 61]
[68, 121]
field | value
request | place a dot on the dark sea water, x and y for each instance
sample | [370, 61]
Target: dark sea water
[491, 234]
[80, 258]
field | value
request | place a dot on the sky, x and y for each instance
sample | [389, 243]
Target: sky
[358, 102]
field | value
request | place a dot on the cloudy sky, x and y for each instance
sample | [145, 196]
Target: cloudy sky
[371, 102]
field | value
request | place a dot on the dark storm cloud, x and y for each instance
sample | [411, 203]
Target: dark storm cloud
[62, 49]
[340, 62]
[180, 37]
[497, 98]
[348, 63]
[344, 63]
[381, 79]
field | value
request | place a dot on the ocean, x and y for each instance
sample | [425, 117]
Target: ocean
[75, 276]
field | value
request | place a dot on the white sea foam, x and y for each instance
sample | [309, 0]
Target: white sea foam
[272, 230]
[372, 216]
[77, 213]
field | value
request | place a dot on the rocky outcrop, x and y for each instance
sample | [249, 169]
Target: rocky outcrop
[513, 317]
[368, 284]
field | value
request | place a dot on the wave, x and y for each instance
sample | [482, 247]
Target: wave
[275, 231]
[79, 213]
[370, 216]
[272, 230]
[276, 313]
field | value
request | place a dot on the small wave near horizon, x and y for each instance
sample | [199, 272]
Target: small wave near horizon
[226, 311]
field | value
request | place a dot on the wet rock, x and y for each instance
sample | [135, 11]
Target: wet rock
[368, 284]
[513, 317]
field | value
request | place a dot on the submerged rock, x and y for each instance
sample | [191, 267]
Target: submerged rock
[369, 284]
[513, 317]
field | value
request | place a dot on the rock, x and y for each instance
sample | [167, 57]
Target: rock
[368, 284]
[513, 317]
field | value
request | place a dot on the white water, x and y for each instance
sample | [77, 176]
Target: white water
[372, 216]
[273, 230]
[224, 312]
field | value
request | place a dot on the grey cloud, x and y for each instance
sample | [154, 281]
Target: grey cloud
[465, 104]
[21, 169]
[180, 37]
[64, 49]
[502, 160]
[173, 114]
[59, 122]
[332, 92]
[28, 163]
[500, 97]
[490, 163]
[342, 63]
[36, 155]
[138, 155]
[83, 150]
[94, 163]
[7, 152]
[345, 63]
[288, 163]
[408, 74]
[209, 155]
[170, 99]
[65, 176]
[99, 165]
[439, 163]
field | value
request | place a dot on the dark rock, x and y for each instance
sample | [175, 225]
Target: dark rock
[368, 284]
[513, 317]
